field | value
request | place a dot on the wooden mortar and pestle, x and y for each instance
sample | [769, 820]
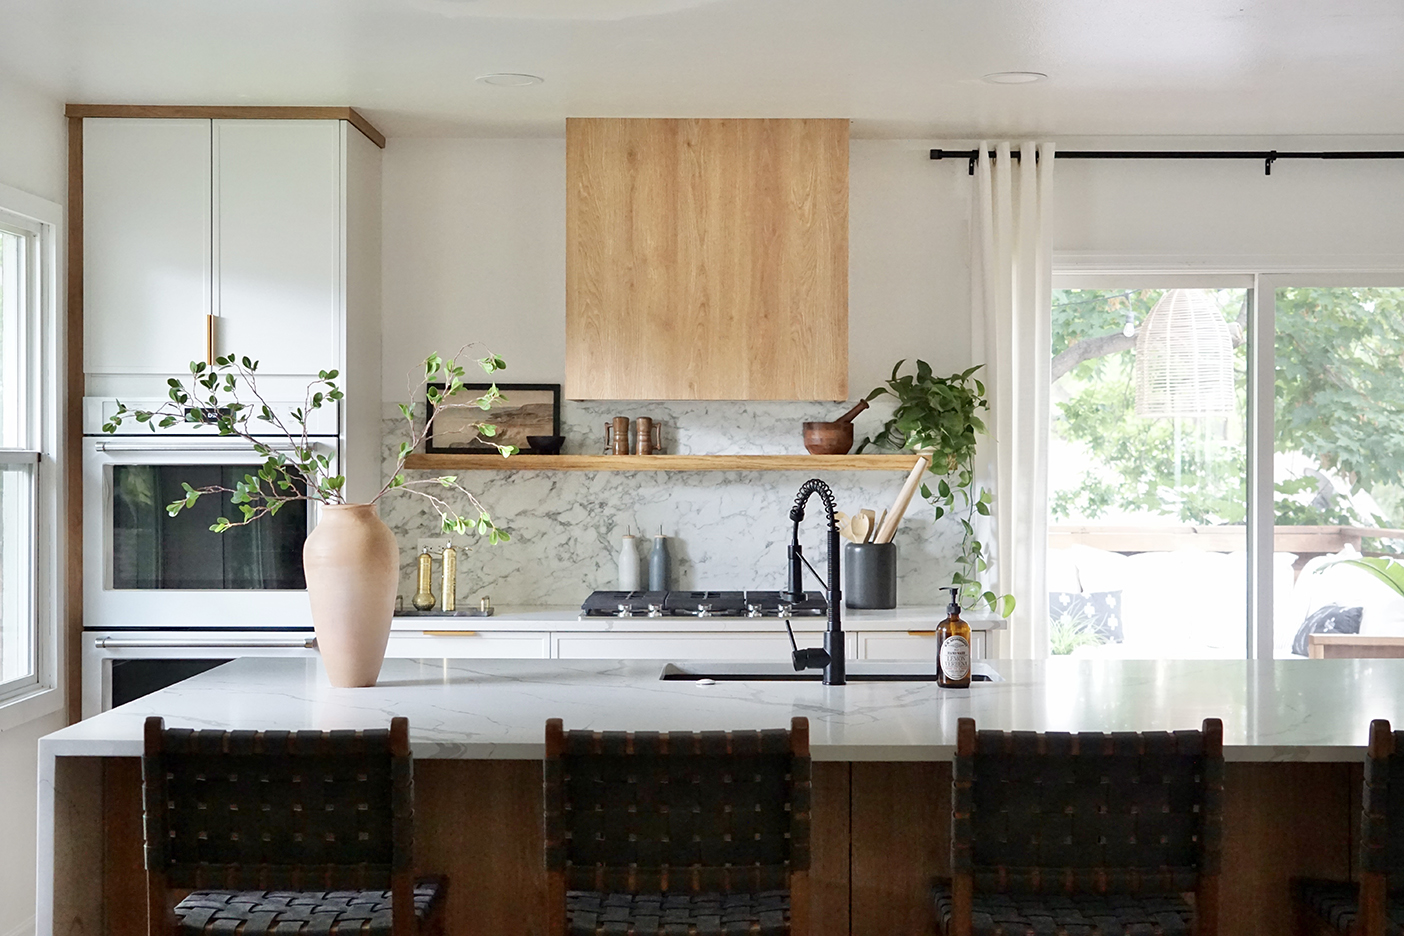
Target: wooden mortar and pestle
[832, 438]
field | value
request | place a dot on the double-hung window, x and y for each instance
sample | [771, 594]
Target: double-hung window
[30, 397]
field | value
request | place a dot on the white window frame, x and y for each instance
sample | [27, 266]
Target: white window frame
[41, 361]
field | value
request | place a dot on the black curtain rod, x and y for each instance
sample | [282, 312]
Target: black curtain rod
[1267, 156]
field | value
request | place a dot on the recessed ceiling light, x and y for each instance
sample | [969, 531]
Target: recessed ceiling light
[511, 80]
[1015, 77]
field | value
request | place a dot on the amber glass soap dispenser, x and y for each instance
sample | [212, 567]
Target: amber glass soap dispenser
[953, 648]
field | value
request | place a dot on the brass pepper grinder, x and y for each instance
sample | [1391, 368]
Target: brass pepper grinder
[424, 597]
[450, 586]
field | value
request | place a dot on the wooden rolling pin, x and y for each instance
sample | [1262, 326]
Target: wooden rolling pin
[904, 497]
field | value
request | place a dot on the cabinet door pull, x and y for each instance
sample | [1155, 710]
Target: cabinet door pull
[912, 633]
[209, 340]
[450, 633]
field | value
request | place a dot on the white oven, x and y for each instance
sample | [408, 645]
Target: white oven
[119, 666]
[144, 569]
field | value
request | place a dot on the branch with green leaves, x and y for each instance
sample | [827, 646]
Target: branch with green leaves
[225, 395]
[939, 416]
[450, 373]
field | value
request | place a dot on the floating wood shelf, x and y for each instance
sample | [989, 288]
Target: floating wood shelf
[661, 462]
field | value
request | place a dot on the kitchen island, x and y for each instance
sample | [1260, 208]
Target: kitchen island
[1294, 734]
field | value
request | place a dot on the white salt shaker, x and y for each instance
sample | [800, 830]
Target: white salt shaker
[629, 563]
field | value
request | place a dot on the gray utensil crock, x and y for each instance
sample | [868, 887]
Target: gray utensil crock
[870, 575]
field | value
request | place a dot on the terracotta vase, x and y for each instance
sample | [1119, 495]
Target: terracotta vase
[352, 568]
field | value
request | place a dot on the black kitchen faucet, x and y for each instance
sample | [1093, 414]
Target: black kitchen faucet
[830, 659]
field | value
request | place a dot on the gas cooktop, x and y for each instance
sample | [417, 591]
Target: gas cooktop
[700, 604]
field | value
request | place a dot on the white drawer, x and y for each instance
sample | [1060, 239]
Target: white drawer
[471, 645]
[694, 645]
[911, 645]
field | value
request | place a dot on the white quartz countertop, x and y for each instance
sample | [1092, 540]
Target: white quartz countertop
[1315, 710]
[539, 618]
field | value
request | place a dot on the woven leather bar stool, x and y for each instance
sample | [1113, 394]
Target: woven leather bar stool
[1371, 908]
[1090, 834]
[677, 833]
[304, 832]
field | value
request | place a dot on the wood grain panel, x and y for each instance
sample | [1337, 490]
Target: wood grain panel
[706, 259]
[661, 462]
[829, 870]
[349, 114]
[901, 843]
[123, 868]
[1281, 821]
[78, 896]
[72, 632]
[479, 823]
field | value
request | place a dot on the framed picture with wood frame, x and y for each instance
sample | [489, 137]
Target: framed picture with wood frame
[524, 410]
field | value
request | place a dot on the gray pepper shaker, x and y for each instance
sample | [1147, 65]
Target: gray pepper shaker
[658, 563]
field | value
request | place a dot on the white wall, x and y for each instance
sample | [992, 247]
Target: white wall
[1229, 215]
[475, 251]
[33, 157]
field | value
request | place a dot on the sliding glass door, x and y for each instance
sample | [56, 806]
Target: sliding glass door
[1337, 462]
[1214, 493]
[1148, 492]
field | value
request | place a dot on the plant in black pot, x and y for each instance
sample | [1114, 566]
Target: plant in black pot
[940, 416]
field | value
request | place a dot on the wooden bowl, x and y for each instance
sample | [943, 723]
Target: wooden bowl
[828, 438]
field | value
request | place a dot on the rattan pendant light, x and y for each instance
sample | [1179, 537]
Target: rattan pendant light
[1184, 358]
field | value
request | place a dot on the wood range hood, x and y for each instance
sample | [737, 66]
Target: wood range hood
[706, 259]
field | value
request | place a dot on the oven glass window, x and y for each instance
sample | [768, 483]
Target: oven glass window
[151, 549]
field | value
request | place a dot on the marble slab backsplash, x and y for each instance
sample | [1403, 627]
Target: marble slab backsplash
[726, 529]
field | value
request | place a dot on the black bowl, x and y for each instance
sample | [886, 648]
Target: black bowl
[546, 445]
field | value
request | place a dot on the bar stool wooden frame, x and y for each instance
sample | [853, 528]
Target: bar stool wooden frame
[1204, 747]
[305, 811]
[781, 831]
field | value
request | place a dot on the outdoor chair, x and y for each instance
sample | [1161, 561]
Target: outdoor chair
[1090, 834]
[677, 832]
[303, 832]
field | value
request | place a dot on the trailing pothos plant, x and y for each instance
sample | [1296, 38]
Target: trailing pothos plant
[938, 416]
[225, 395]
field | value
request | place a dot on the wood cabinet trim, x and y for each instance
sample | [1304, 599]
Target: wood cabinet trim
[72, 628]
[169, 111]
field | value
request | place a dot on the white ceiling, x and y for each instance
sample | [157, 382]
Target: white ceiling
[900, 68]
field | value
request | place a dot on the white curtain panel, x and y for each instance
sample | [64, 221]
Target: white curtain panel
[1012, 286]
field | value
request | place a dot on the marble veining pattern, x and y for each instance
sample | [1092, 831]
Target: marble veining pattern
[1316, 710]
[726, 529]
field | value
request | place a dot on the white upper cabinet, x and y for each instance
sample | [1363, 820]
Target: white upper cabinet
[146, 244]
[239, 219]
[277, 242]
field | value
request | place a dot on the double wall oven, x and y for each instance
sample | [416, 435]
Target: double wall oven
[164, 597]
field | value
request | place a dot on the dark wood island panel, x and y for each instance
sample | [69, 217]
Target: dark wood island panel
[881, 833]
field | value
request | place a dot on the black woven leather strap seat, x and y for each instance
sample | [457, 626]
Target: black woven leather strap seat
[592, 913]
[1084, 915]
[299, 913]
[676, 833]
[1337, 904]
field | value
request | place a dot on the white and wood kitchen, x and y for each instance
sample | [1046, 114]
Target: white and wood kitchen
[670, 244]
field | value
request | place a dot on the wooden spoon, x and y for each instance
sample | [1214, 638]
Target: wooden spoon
[843, 521]
[860, 525]
[869, 524]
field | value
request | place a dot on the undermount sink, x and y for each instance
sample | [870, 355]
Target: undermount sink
[858, 671]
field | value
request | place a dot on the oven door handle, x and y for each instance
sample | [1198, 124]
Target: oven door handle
[195, 447]
[120, 643]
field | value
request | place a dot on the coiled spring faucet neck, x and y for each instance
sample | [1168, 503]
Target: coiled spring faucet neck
[835, 672]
